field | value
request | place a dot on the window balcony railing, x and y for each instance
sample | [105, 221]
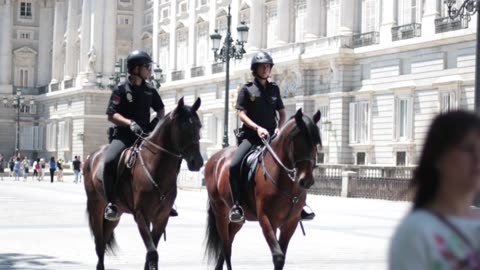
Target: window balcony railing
[197, 71]
[366, 39]
[68, 84]
[178, 75]
[446, 24]
[406, 31]
[218, 67]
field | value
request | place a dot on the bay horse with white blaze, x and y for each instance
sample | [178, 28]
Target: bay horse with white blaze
[275, 197]
[146, 188]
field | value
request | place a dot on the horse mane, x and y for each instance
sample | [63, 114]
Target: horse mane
[184, 110]
[306, 127]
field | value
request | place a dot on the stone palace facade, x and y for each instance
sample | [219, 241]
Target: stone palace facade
[378, 70]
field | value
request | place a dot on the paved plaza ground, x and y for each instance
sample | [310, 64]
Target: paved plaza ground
[43, 226]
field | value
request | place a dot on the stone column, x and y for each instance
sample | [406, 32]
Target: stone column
[70, 61]
[313, 19]
[58, 33]
[283, 21]
[109, 36]
[211, 29]
[156, 17]
[257, 11]
[191, 47]
[347, 16]
[138, 8]
[173, 40]
[388, 20]
[97, 35]
[87, 55]
[6, 54]
[431, 12]
[45, 45]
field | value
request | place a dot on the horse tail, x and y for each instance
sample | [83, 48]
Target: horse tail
[213, 247]
[111, 244]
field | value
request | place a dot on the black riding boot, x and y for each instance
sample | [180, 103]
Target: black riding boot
[236, 213]
[111, 210]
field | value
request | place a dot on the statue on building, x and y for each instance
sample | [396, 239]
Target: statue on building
[92, 57]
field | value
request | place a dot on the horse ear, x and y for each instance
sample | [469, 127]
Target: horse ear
[180, 103]
[317, 116]
[298, 115]
[196, 105]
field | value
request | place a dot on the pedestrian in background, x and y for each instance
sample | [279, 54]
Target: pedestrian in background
[76, 169]
[42, 169]
[53, 168]
[36, 169]
[60, 170]
[443, 231]
[2, 166]
[25, 166]
[16, 169]
[11, 164]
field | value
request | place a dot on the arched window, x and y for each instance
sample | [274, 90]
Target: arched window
[164, 42]
[182, 47]
[202, 42]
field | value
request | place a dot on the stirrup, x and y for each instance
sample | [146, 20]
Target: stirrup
[111, 212]
[236, 215]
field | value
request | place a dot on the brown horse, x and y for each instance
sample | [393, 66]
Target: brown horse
[148, 189]
[275, 197]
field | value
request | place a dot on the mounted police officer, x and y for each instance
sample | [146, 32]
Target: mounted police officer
[258, 103]
[129, 109]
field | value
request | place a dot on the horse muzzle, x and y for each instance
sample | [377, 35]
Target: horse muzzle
[306, 181]
[195, 162]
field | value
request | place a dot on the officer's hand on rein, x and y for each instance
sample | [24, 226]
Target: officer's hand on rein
[261, 132]
[135, 128]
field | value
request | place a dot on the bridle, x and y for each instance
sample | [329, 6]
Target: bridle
[290, 172]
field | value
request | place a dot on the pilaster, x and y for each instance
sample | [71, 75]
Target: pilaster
[283, 21]
[389, 9]
[6, 54]
[431, 12]
[313, 19]
[44, 68]
[257, 11]
[109, 36]
[57, 46]
[70, 55]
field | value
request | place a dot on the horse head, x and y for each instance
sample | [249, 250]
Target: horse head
[302, 141]
[185, 133]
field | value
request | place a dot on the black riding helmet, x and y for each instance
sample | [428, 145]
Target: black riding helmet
[261, 58]
[138, 58]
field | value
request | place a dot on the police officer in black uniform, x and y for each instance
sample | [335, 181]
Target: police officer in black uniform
[129, 109]
[258, 103]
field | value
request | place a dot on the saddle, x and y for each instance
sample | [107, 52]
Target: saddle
[126, 160]
[250, 162]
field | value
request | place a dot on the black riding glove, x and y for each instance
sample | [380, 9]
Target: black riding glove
[135, 128]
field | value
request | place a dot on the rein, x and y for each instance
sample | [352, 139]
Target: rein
[138, 151]
[290, 172]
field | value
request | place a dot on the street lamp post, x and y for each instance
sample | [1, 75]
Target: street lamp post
[17, 103]
[228, 51]
[466, 11]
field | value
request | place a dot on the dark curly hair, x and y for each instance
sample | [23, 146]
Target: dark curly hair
[447, 130]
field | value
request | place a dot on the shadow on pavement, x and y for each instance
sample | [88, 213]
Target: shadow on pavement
[17, 261]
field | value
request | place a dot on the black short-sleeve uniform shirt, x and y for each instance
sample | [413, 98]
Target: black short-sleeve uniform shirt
[261, 104]
[134, 102]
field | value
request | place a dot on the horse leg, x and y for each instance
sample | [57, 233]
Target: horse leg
[95, 216]
[270, 235]
[151, 262]
[286, 233]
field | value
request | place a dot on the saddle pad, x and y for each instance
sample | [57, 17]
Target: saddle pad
[250, 162]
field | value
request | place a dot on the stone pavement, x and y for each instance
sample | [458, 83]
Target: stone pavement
[43, 226]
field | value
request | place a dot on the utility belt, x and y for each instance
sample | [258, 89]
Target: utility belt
[115, 132]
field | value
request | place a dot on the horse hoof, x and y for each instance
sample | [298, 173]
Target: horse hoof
[278, 261]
